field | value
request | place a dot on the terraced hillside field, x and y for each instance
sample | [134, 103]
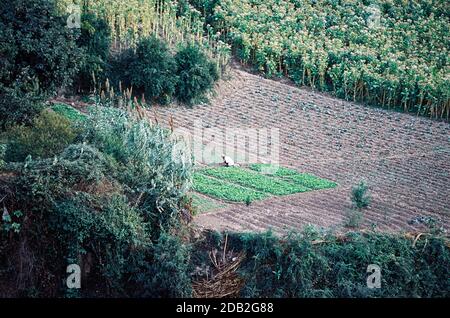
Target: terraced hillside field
[405, 159]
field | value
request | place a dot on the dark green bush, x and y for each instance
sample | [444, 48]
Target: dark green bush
[35, 44]
[153, 70]
[360, 196]
[76, 213]
[196, 74]
[38, 54]
[49, 134]
[119, 68]
[95, 38]
[19, 106]
[168, 274]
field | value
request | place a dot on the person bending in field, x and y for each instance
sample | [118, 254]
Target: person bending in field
[228, 162]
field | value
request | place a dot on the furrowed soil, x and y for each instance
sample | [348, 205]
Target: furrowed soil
[405, 159]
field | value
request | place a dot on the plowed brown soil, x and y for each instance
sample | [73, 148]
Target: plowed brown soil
[405, 159]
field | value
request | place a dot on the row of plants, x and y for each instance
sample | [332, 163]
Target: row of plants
[224, 190]
[290, 175]
[380, 52]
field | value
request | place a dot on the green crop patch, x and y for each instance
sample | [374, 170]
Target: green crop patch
[260, 181]
[225, 190]
[275, 170]
[69, 112]
[312, 182]
[305, 179]
[255, 180]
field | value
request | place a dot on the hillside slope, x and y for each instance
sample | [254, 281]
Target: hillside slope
[405, 159]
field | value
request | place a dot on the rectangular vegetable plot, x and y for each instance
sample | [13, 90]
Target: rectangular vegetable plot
[255, 180]
[241, 185]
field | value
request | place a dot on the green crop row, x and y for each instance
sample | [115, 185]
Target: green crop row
[304, 179]
[275, 170]
[312, 182]
[69, 112]
[224, 190]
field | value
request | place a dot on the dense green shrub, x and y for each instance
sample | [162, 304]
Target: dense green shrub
[168, 274]
[19, 106]
[76, 213]
[95, 38]
[69, 112]
[360, 196]
[156, 166]
[153, 70]
[312, 264]
[49, 134]
[39, 55]
[35, 44]
[196, 74]
[119, 68]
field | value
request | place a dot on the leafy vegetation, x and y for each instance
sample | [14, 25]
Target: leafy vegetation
[380, 52]
[282, 181]
[37, 48]
[69, 112]
[360, 196]
[47, 137]
[153, 70]
[196, 74]
[250, 179]
[19, 106]
[103, 203]
[224, 190]
[314, 264]
[95, 39]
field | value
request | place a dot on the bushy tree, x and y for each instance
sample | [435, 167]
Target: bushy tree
[153, 70]
[35, 43]
[19, 104]
[48, 136]
[360, 196]
[95, 38]
[196, 74]
[38, 55]
[167, 276]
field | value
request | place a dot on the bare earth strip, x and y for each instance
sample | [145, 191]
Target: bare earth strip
[405, 159]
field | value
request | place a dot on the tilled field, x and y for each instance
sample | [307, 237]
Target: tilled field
[405, 159]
